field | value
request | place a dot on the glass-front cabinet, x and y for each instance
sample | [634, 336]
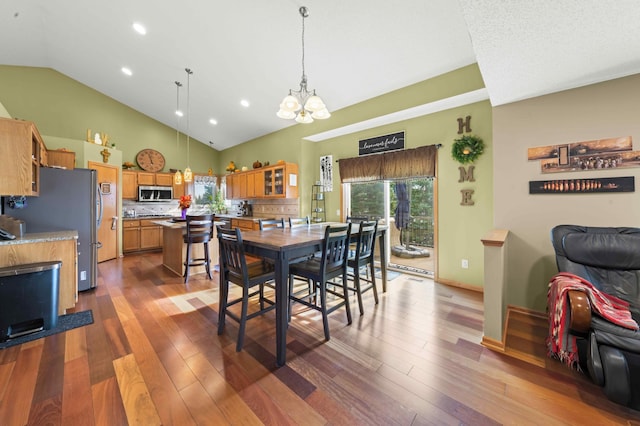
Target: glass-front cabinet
[279, 181]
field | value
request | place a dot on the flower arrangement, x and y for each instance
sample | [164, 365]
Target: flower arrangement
[185, 202]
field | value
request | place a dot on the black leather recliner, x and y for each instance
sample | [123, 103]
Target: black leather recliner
[609, 258]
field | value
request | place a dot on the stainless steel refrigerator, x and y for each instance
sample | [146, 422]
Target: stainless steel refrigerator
[69, 199]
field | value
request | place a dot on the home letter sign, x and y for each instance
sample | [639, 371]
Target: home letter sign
[466, 197]
[466, 175]
[464, 126]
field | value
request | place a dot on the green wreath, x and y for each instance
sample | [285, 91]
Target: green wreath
[467, 149]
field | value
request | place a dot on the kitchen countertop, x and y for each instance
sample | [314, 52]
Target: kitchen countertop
[40, 237]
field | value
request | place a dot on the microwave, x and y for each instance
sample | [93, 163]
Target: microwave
[155, 193]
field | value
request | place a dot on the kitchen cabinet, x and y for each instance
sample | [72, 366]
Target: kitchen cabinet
[245, 224]
[142, 234]
[131, 179]
[164, 179]
[129, 185]
[281, 181]
[21, 149]
[59, 158]
[146, 178]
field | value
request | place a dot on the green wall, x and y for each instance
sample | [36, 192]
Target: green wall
[459, 228]
[65, 108]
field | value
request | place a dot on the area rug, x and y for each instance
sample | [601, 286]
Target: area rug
[390, 274]
[65, 323]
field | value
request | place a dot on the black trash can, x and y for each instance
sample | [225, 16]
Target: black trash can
[28, 298]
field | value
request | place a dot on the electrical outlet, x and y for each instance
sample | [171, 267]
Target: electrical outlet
[83, 275]
[338, 212]
[465, 264]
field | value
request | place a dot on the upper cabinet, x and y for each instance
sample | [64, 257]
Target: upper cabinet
[21, 149]
[131, 179]
[279, 181]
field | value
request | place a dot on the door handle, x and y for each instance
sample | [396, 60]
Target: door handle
[114, 223]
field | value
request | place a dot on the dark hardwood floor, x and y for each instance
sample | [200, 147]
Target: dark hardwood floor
[153, 356]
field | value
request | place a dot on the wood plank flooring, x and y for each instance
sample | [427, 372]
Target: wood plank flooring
[153, 356]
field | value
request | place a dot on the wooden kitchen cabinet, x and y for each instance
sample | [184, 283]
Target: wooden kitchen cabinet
[146, 178]
[143, 234]
[245, 224]
[281, 181]
[58, 158]
[129, 185]
[164, 179]
[20, 157]
[232, 187]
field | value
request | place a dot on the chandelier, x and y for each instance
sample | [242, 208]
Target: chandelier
[303, 105]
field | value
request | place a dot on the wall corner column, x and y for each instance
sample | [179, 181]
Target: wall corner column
[494, 287]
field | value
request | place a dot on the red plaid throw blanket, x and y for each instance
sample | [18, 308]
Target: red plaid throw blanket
[561, 344]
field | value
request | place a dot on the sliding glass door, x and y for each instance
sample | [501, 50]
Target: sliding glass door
[407, 207]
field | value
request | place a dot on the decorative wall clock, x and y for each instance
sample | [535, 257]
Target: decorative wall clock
[150, 160]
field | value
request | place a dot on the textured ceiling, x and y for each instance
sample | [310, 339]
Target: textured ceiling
[355, 50]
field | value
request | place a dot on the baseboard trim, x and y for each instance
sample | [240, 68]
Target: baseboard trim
[493, 344]
[458, 284]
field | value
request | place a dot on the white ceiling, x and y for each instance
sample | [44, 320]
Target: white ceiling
[355, 50]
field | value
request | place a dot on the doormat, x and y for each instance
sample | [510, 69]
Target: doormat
[65, 323]
[390, 274]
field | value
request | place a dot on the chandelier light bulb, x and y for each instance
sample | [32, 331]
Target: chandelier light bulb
[304, 117]
[314, 103]
[322, 114]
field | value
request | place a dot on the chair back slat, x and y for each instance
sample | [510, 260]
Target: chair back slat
[199, 228]
[271, 223]
[336, 247]
[357, 219]
[232, 254]
[299, 221]
[366, 239]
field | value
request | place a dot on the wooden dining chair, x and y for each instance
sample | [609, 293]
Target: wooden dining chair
[271, 223]
[320, 270]
[299, 221]
[199, 230]
[235, 269]
[363, 257]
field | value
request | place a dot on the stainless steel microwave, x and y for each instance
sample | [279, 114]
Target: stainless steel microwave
[155, 193]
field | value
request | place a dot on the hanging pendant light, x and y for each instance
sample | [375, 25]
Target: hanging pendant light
[303, 105]
[177, 177]
[188, 175]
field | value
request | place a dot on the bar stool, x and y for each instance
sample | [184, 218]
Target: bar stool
[199, 231]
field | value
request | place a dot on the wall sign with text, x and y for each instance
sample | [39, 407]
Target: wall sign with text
[392, 142]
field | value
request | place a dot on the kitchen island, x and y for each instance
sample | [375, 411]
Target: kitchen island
[47, 246]
[174, 249]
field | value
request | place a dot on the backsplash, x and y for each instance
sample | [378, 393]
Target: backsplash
[134, 209]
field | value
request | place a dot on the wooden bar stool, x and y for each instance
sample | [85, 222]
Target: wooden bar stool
[199, 231]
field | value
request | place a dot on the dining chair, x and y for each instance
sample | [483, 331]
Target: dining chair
[234, 269]
[357, 219]
[320, 270]
[363, 257]
[271, 223]
[299, 221]
[199, 229]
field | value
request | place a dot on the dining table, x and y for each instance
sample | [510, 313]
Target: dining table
[281, 245]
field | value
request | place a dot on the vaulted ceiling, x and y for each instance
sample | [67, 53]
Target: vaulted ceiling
[354, 50]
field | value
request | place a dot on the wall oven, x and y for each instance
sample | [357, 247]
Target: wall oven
[155, 193]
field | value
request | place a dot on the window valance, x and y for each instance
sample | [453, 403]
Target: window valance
[416, 162]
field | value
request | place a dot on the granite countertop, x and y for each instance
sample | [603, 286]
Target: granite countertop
[42, 237]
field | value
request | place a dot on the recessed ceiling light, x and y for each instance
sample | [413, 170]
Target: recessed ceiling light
[213, 121]
[140, 29]
[126, 71]
[245, 103]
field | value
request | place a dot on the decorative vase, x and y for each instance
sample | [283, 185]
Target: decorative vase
[184, 213]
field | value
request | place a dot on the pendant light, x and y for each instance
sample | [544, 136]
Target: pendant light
[177, 177]
[303, 105]
[188, 175]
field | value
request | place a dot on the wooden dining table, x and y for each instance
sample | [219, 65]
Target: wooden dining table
[281, 245]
